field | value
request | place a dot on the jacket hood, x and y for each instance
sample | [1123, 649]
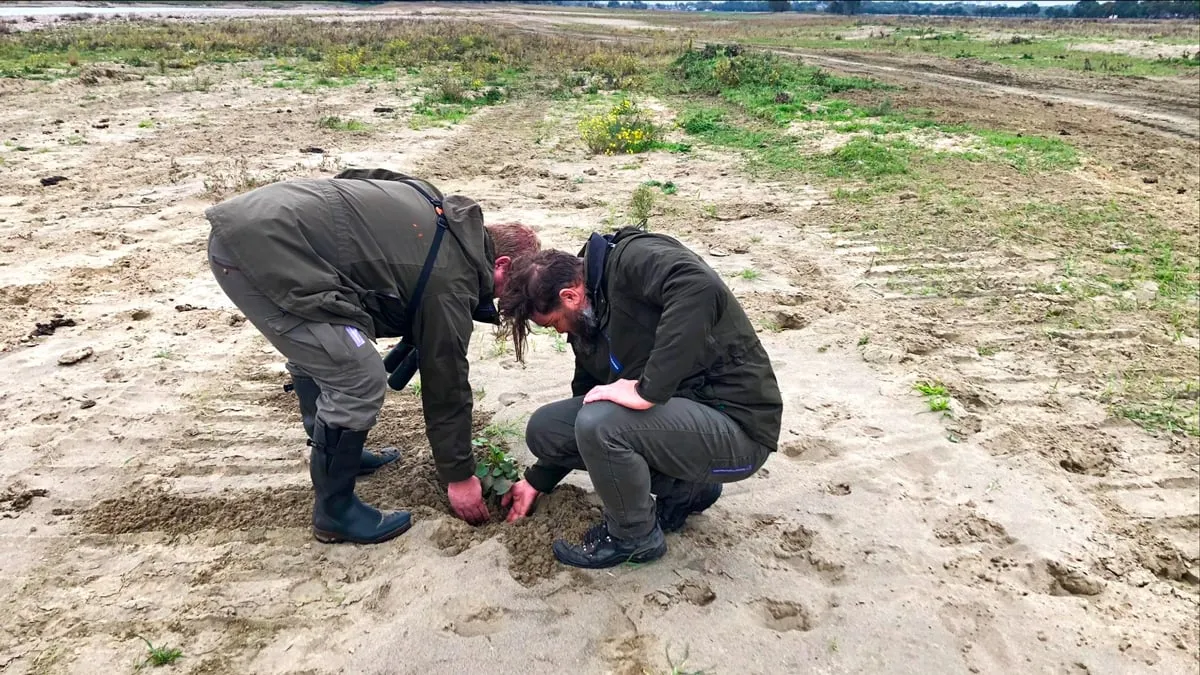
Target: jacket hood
[464, 218]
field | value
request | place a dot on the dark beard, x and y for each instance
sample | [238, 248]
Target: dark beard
[586, 333]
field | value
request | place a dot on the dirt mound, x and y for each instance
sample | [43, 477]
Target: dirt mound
[176, 514]
[410, 483]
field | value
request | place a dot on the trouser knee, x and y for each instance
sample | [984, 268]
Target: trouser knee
[593, 429]
[541, 435]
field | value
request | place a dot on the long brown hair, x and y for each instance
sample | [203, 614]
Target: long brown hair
[531, 287]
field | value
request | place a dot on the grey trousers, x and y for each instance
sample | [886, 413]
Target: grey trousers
[631, 455]
[339, 358]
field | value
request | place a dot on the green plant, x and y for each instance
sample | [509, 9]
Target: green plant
[496, 470]
[145, 124]
[621, 130]
[668, 188]
[338, 124]
[936, 395]
[749, 274]
[641, 204]
[160, 656]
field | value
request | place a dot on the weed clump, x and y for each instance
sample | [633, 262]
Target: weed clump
[622, 130]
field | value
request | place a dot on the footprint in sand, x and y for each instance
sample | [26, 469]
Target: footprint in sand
[481, 622]
[812, 449]
[698, 593]
[968, 527]
[785, 615]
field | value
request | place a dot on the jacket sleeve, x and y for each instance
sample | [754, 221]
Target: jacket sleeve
[443, 332]
[690, 295]
[583, 382]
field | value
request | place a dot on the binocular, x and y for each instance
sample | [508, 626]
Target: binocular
[401, 363]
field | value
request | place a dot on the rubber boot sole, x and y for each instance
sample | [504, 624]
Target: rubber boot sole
[329, 537]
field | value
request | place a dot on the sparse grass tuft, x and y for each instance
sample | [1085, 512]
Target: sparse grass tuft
[338, 124]
[159, 656]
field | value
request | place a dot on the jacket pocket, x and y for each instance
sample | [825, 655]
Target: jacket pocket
[337, 341]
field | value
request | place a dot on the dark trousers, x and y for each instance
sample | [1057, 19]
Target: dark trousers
[631, 455]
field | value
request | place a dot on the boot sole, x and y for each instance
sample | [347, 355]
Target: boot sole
[327, 537]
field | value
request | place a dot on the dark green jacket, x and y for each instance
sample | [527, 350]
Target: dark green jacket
[673, 325]
[349, 250]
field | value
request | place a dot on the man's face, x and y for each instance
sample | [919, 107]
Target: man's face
[573, 316]
[579, 321]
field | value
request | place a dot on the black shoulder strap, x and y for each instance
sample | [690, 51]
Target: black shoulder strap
[415, 301]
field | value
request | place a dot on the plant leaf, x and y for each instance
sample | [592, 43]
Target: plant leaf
[487, 482]
[497, 472]
[502, 485]
[481, 471]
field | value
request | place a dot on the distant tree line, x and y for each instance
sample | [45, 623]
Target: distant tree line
[1086, 9]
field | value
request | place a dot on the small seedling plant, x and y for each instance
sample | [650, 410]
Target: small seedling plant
[497, 471]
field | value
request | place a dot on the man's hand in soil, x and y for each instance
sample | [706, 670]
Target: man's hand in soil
[622, 392]
[519, 500]
[466, 500]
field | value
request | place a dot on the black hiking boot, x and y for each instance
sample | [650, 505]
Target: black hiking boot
[600, 549]
[338, 514]
[307, 390]
[682, 500]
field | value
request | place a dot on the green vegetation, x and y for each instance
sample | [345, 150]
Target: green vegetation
[668, 188]
[762, 104]
[936, 395]
[496, 470]
[621, 130]
[995, 44]
[159, 656]
[641, 204]
[338, 124]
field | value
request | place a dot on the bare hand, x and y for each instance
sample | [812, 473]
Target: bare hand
[466, 500]
[622, 392]
[520, 497]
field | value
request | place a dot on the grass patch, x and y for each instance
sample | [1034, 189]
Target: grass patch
[338, 124]
[303, 53]
[159, 656]
[1022, 52]
[751, 99]
[1026, 152]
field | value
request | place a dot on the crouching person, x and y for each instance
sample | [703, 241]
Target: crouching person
[322, 268]
[673, 393]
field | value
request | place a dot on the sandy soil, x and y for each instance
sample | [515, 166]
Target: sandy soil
[1142, 48]
[153, 477]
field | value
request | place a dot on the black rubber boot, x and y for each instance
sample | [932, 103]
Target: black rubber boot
[338, 514]
[600, 549]
[307, 390]
[681, 500]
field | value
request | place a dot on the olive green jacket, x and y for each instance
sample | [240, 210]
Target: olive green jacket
[349, 250]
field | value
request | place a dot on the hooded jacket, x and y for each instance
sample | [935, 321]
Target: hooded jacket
[349, 250]
[669, 322]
